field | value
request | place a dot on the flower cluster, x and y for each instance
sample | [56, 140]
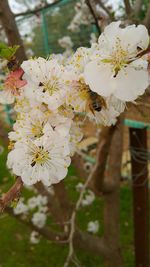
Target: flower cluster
[82, 16]
[36, 207]
[95, 82]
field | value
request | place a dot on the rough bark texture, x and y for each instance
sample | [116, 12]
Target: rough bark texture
[97, 179]
[13, 193]
[112, 200]
[9, 25]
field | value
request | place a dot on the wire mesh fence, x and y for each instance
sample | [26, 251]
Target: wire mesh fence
[42, 30]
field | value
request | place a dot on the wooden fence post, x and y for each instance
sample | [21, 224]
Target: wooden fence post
[139, 162]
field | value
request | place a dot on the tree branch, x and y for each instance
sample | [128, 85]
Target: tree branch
[112, 200]
[91, 243]
[137, 7]
[45, 231]
[54, 206]
[81, 240]
[94, 15]
[147, 19]
[14, 192]
[63, 199]
[9, 25]
[127, 7]
[97, 174]
[37, 10]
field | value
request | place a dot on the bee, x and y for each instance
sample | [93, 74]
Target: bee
[95, 102]
[12, 64]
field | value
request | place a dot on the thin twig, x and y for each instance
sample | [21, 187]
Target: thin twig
[72, 223]
[14, 192]
[47, 232]
[94, 15]
[37, 10]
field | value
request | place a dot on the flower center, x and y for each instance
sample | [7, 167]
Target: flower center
[37, 129]
[40, 156]
[51, 87]
[118, 58]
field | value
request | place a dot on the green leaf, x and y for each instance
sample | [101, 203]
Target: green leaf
[7, 52]
[14, 203]
[3, 46]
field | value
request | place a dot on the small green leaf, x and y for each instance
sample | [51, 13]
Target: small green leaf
[14, 203]
[3, 46]
[7, 52]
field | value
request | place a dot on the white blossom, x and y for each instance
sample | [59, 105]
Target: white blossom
[37, 201]
[43, 160]
[47, 79]
[88, 199]
[115, 67]
[93, 227]
[51, 93]
[29, 125]
[34, 237]
[21, 208]
[79, 187]
[65, 42]
[82, 16]
[39, 219]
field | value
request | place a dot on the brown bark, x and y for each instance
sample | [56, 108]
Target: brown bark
[9, 24]
[127, 7]
[78, 162]
[14, 192]
[58, 204]
[97, 175]
[137, 7]
[63, 199]
[112, 200]
[90, 243]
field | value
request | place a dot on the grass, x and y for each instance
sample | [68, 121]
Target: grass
[17, 251]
